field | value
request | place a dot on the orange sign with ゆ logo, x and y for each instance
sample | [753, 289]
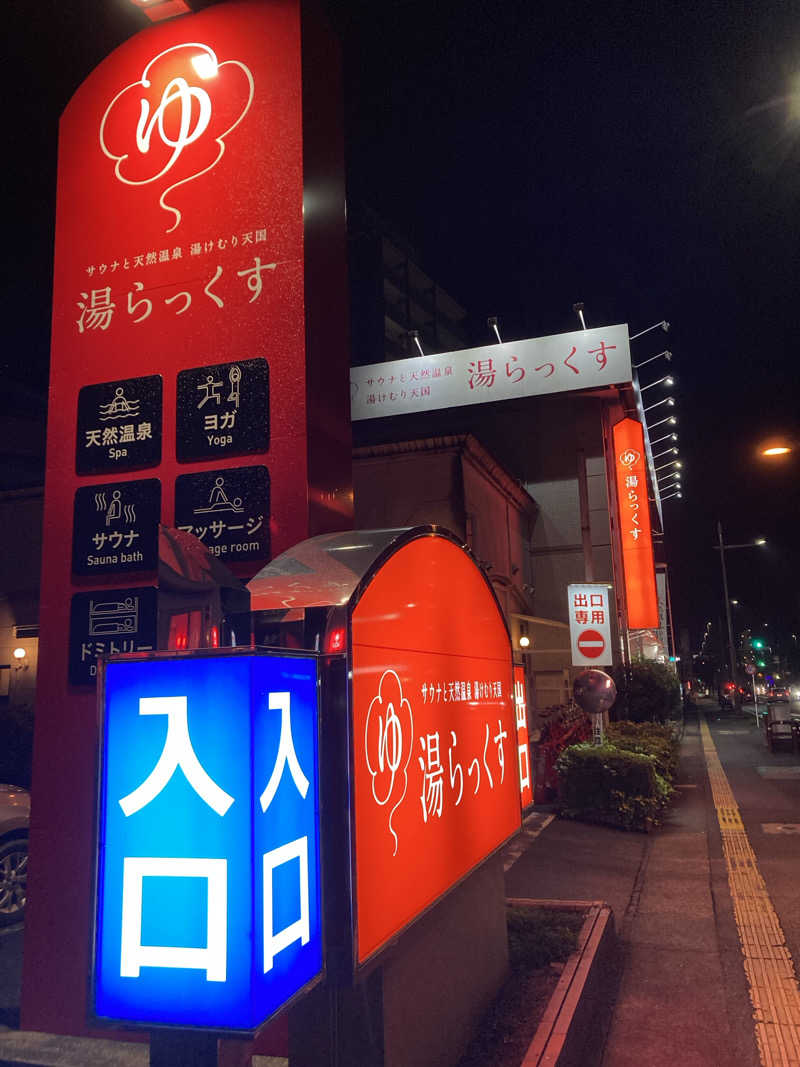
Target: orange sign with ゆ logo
[635, 532]
[435, 745]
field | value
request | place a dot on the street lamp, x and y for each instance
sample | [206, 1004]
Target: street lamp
[671, 419]
[664, 325]
[667, 380]
[780, 445]
[721, 547]
[666, 437]
[662, 478]
[666, 354]
[669, 400]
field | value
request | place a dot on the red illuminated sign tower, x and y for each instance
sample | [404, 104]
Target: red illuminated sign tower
[199, 376]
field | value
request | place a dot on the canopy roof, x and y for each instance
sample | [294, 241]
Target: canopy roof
[321, 571]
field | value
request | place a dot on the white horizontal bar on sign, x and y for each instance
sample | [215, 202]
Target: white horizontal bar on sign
[563, 362]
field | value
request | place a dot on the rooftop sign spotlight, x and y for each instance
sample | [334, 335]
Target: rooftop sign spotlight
[671, 419]
[158, 10]
[668, 400]
[664, 325]
[666, 380]
[666, 354]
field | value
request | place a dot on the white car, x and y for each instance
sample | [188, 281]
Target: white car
[15, 813]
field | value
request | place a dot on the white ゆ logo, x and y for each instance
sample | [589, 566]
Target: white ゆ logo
[174, 113]
[177, 91]
[629, 457]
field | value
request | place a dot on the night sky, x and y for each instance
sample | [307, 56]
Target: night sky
[642, 158]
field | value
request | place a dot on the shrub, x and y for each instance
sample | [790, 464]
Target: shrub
[538, 936]
[607, 784]
[650, 739]
[648, 691]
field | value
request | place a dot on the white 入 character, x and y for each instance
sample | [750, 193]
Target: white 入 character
[277, 940]
[177, 752]
[286, 753]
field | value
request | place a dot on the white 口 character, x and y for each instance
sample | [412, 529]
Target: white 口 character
[134, 955]
[177, 752]
[276, 941]
[286, 753]
[524, 767]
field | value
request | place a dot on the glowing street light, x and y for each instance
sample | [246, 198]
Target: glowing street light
[776, 450]
[670, 401]
[668, 379]
[666, 437]
[671, 419]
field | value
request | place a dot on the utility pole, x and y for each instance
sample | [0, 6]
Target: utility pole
[731, 651]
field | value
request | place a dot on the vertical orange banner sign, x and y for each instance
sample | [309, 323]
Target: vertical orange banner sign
[523, 748]
[636, 537]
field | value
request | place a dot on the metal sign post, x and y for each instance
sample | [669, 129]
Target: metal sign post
[752, 672]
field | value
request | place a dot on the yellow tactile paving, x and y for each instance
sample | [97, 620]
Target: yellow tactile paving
[769, 968]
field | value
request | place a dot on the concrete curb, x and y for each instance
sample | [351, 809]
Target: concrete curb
[27, 1048]
[573, 1029]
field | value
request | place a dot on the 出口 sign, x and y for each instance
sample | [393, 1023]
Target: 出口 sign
[585, 359]
[523, 736]
[589, 625]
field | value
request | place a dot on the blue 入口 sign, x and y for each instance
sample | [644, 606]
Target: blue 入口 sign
[208, 871]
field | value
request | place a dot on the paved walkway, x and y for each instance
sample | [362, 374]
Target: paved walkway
[675, 1004]
[705, 909]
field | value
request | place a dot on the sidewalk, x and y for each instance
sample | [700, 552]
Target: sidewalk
[674, 1000]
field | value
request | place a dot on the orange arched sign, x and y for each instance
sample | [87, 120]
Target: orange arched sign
[635, 533]
[435, 776]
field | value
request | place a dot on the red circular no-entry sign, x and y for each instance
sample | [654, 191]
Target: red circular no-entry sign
[591, 644]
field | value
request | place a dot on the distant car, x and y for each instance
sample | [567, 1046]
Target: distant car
[15, 812]
[779, 693]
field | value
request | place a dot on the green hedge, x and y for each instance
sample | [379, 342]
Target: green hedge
[650, 739]
[611, 784]
[538, 936]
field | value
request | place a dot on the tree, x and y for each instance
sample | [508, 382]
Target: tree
[648, 692]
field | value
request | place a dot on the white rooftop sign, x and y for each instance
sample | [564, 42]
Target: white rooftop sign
[563, 362]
